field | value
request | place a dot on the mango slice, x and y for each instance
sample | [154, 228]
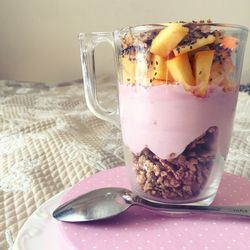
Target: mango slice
[179, 50]
[202, 66]
[128, 70]
[157, 68]
[169, 77]
[168, 39]
[230, 42]
[180, 69]
[158, 82]
[134, 71]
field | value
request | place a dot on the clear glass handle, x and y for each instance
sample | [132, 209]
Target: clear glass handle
[88, 43]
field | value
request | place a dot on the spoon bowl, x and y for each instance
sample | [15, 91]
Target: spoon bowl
[96, 205]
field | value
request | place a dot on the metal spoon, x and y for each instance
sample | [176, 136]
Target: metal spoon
[108, 202]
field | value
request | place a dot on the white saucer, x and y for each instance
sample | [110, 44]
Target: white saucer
[38, 232]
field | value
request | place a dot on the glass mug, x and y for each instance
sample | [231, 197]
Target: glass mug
[178, 86]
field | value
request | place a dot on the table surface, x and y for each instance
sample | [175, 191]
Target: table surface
[49, 141]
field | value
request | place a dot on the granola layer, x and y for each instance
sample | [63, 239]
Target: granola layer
[179, 177]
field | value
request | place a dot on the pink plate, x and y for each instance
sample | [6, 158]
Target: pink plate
[138, 228]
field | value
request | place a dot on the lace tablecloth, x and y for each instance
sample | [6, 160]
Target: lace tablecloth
[49, 141]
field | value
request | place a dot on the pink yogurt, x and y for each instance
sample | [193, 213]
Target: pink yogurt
[167, 118]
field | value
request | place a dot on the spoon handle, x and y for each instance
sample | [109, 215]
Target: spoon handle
[231, 210]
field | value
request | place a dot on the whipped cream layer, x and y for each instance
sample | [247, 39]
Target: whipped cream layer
[167, 118]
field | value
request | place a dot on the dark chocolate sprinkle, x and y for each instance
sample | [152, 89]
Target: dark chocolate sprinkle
[195, 32]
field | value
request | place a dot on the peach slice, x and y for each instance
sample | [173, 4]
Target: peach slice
[158, 82]
[202, 66]
[168, 39]
[134, 70]
[199, 43]
[230, 42]
[128, 78]
[169, 77]
[157, 68]
[180, 69]
[128, 70]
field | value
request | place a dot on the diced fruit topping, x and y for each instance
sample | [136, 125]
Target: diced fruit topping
[230, 42]
[195, 55]
[195, 45]
[157, 68]
[202, 67]
[168, 39]
[158, 82]
[169, 77]
[181, 70]
[128, 64]
[128, 69]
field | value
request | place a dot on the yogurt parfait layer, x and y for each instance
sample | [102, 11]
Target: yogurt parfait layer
[177, 99]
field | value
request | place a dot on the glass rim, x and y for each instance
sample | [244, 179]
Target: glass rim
[161, 25]
[143, 27]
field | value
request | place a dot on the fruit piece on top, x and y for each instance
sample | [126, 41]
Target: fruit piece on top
[128, 78]
[134, 70]
[128, 69]
[217, 74]
[158, 82]
[195, 45]
[157, 68]
[180, 69]
[230, 42]
[168, 39]
[169, 77]
[202, 66]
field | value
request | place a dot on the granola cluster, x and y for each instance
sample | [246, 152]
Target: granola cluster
[178, 178]
[132, 45]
